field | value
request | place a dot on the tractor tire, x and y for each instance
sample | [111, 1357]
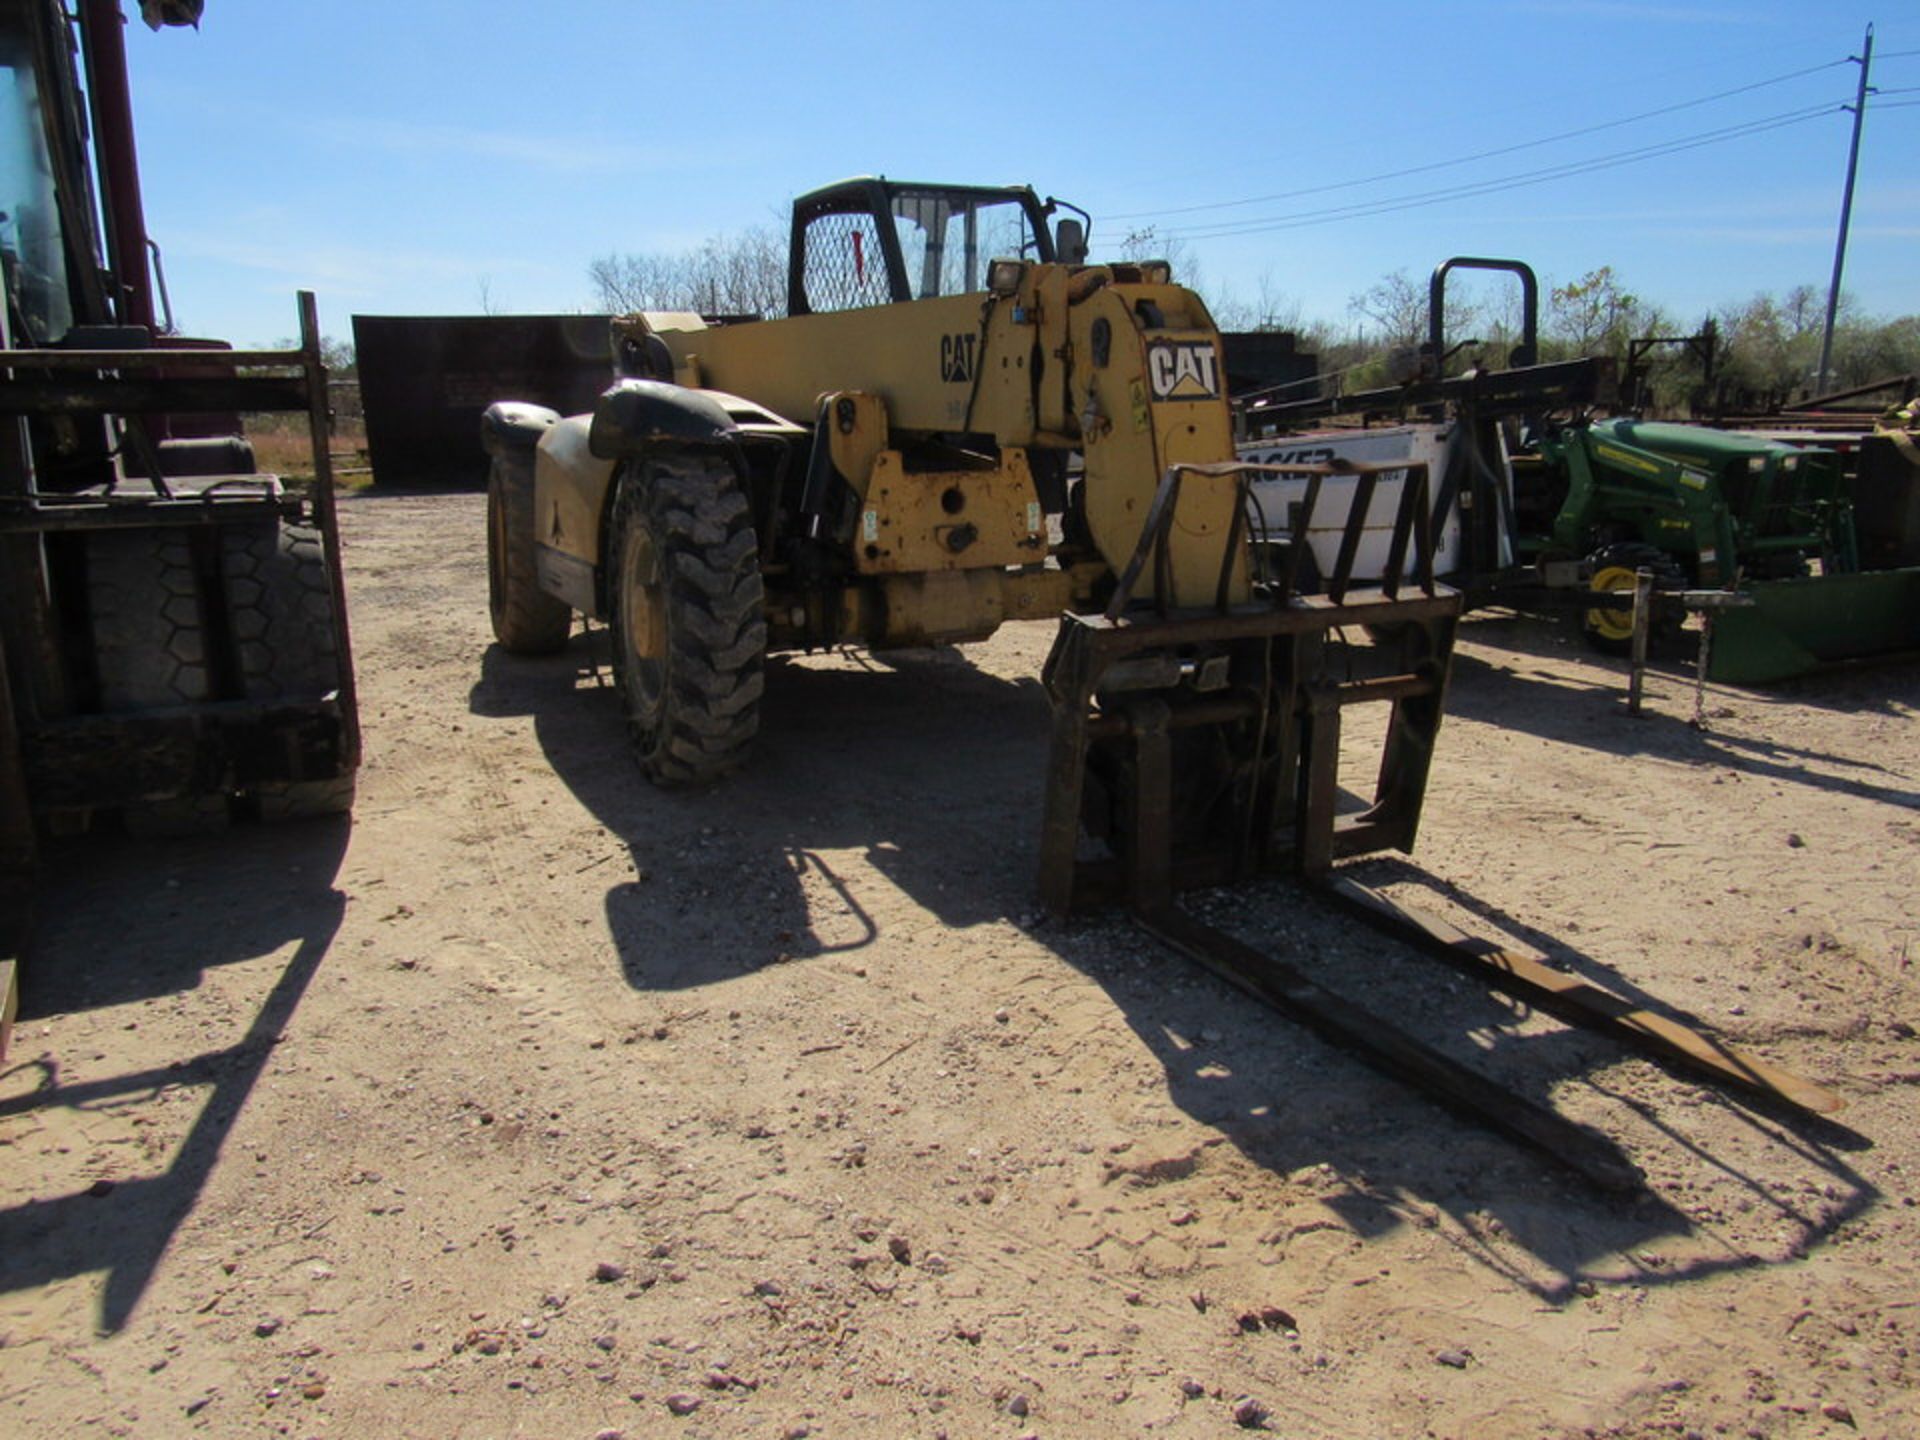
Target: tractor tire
[526, 620]
[286, 646]
[1608, 631]
[150, 649]
[686, 604]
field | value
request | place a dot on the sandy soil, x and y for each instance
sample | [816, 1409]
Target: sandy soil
[538, 1102]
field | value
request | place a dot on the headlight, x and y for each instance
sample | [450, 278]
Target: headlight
[1003, 276]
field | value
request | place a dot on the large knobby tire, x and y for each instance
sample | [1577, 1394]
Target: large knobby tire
[1614, 568]
[286, 646]
[689, 634]
[149, 630]
[526, 620]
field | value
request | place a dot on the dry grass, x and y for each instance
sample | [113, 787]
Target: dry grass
[281, 447]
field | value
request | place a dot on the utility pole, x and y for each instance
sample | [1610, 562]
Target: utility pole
[1865, 61]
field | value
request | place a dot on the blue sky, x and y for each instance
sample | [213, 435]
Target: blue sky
[445, 156]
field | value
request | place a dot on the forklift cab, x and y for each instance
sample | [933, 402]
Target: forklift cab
[873, 241]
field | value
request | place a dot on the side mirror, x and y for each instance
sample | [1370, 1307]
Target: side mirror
[1070, 242]
[171, 12]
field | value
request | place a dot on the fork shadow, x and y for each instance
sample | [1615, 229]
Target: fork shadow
[1562, 702]
[883, 761]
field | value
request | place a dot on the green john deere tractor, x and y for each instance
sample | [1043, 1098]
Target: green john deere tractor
[1820, 565]
[1713, 509]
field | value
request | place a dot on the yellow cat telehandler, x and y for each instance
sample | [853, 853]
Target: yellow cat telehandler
[959, 422]
[879, 467]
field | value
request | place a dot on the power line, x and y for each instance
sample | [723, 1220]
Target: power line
[1507, 182]
[1492, 187]
[1483, 154]
[1363, 209]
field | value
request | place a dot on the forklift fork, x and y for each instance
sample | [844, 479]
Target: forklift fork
[1200, 748]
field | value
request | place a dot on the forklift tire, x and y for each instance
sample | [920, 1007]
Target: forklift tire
[149, 634]
[286, 646]
[526, 620]
[685, 602]
[1609, 631]
[150, 649]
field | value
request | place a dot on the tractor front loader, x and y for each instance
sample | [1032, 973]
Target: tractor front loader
[961, 422]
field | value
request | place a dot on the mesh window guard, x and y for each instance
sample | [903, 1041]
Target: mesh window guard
[845, 266]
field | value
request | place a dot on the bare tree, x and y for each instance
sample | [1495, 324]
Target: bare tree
[743, 274]
[1397, 307]
[1271, 310]
[1803, 309]
[1147, 243]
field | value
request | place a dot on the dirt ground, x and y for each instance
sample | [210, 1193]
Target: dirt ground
[539, 1102]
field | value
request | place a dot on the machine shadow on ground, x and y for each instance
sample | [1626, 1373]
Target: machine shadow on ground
[178, 909]
[1562, 705]
[1286, 1100]
[872, 760]
[930, 772]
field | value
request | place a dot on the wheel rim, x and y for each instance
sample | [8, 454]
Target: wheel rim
[1612, 624]
[643, 625]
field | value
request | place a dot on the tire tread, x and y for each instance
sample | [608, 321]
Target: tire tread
[716, 626]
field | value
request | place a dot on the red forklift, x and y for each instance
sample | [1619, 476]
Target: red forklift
[173, 638]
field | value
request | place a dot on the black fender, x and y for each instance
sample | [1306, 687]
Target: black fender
[634, 414]
[515, 425]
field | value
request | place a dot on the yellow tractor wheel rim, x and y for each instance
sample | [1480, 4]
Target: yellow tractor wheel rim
[1612, 624]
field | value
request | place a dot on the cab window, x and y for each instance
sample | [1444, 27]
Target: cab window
[949, 239]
